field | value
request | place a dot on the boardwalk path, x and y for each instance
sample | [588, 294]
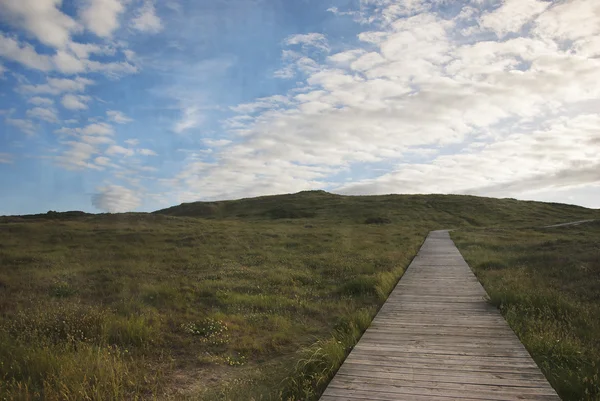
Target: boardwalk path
[436, 338]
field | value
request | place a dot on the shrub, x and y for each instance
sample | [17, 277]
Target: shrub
[361, 285]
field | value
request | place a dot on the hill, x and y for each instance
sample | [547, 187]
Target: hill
[441, 211]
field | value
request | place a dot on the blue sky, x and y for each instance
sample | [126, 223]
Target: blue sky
[122, 105]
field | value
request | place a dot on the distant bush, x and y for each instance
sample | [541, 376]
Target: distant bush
[378, 220]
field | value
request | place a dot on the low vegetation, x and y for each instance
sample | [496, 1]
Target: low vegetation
[546, 282]
[253, 299]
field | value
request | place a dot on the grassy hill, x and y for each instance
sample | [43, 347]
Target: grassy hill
[258, 297]
[441, 211]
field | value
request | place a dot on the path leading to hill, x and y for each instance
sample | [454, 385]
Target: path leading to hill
[436, 338]
[573, 223]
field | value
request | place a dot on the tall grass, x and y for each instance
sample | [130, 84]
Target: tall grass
[70, 351]
[545, 284]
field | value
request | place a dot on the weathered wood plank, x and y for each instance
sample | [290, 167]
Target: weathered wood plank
[435, 374]
[436, 338]
[394, 384]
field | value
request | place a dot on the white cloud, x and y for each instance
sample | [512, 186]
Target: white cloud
[100, 129]
[25, 126]
[570, 20]
[40, 101]
[6, 158]
[88, 143]
[367, 61]
[77, 156]
[216, 142]
[2, 70]
[147, 152]
[116, 199]
[118, 117]
[191, 117]
[102, 161]
[146, 19]
[119, 150]
[346, 57]
[45, 114]
[130, 55]
[112, 69]
[56, 86]
[271, 102]
[72, 61]
[66, 131]
[315, 40]
[512, 15]
[384, 11]
[83, 50]
[563, 154]
[67, 63]
[102, 16]
[75, 102]
[40, 18]
[25, 54]
[295, 62]
[97, 140]
[132, 142]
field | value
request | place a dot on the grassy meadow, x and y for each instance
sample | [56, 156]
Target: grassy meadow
[546, 282]
[252, 299]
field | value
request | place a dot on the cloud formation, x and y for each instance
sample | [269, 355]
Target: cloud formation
[421, 89]
[118, 117]
[116, 199]
[101, 16]
[75, 102]
[56, 86]
[315, 40]
[486, 97]
[42, 19]
[146, 19]
[25, 126]
[45, 114]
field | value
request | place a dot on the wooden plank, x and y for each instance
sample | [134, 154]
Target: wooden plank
[444, 361]
[439, 352]
[461, 385]
[355, 368]
[436, 338]
[444, 349]
[451, 389]
[394, 397]
[410, 393]
[444, 367]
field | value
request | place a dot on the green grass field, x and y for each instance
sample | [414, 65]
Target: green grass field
[252, 299]
[546, 282]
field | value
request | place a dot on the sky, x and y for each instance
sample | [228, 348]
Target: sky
[136, 105]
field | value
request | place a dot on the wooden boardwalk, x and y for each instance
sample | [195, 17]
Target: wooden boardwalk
[436, 338]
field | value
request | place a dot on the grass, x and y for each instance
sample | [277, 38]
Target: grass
[546, 282]
[252, 299]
